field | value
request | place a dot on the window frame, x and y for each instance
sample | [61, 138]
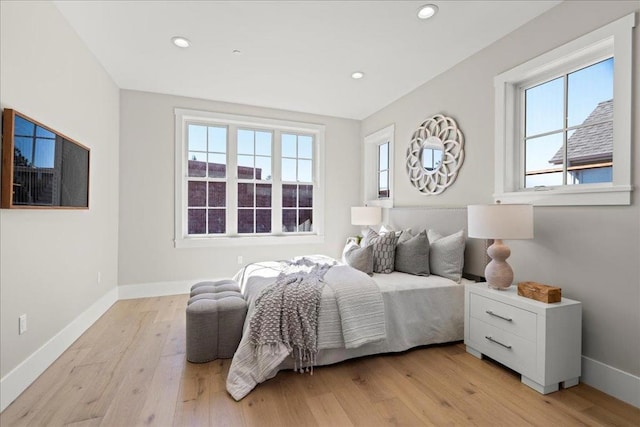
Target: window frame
[233, 122]
[371, 150]
[614, 39]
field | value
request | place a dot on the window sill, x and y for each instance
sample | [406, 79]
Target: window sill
[211, 242]
[383, 203]
[587, 196]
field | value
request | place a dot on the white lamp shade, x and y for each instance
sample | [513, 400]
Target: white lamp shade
[366, 215]
[500, 221]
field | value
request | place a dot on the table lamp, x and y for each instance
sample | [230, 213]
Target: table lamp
[366, 215]
[500, 222]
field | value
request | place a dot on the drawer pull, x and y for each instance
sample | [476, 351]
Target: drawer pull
[491, 313]
[498, 342]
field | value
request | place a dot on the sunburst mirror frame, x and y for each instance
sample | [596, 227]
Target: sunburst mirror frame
[437, 130]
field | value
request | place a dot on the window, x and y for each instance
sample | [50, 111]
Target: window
[254, 181]
[563, 123]
[378, 168]
[206, 182]
[568, 136]
[297, 183]
[246, 180]
[383, 170]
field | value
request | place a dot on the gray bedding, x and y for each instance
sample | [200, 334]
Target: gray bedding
[417, 311]
[351, 315]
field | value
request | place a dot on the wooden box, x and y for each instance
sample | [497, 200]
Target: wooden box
[540, 292]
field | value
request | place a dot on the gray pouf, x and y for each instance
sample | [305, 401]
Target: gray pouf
[215, 317]
[215, 286]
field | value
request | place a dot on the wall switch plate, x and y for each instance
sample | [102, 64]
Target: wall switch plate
[22, 324]
[240, 259]
[99, 278]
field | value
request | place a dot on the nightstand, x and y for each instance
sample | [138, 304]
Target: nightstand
[540, 341]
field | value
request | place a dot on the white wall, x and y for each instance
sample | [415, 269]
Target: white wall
[50, 259]
[146, 251]
[591, 252]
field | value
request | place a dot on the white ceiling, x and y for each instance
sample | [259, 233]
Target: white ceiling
[296, 55]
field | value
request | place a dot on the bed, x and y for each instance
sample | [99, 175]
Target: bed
[416, 310]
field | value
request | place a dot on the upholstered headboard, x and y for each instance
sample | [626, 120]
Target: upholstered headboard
[445, 221]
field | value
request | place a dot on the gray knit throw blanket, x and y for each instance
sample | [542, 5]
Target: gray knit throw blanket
[286, 312]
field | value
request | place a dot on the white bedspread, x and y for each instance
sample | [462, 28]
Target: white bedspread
[351, 315]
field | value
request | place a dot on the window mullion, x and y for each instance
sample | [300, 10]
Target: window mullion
[276, 183]
[565, 124]
[232, 181]
[254, 184]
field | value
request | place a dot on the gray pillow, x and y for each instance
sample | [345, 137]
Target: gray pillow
[412, 255]
[358, 258]
[405, 235]
[367, 236]
[446, 254]
[384, 250]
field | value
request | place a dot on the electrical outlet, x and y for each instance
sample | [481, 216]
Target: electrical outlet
[99, 278]
[22, 324]
[240, 259]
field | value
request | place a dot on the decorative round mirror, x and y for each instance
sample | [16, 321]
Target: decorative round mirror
[435, 154]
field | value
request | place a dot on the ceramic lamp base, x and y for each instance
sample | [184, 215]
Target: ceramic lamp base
[498, 272]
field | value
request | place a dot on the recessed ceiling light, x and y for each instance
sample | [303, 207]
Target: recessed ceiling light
[427, 11]
[180, 41]
[357, 75]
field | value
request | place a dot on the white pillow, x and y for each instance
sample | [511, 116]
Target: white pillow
[387, 229]
[446, 254]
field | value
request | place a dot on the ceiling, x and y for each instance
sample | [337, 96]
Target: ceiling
[295, 55]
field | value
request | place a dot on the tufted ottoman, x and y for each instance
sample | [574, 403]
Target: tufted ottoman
[215, 317]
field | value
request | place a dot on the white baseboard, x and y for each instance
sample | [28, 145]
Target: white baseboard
[619, 384]
[21, 377]
[157, 289]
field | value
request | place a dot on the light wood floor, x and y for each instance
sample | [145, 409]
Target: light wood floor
[129, 369]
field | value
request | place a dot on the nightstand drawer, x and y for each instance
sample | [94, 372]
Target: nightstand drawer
[504, 316]
[508, 349]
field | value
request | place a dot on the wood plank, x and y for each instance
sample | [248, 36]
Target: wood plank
[504, 385]
[294, 390]
[130, 365]
[103, 387]
[133, 390]
[428, 409]
[433, 380]
[226, 412]
[396, 413]
[177, 339]
[169, 308]
[260, 406]
[43, 392]
[327, 410]
[352, 398]
[362, 375]
[606, 403]
[73, 389]
[91, 422]
[160, 404]
[192, 406]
